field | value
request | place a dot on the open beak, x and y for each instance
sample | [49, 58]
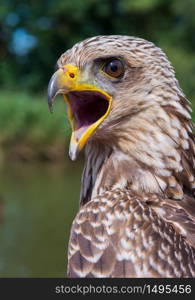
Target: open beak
[88, 105]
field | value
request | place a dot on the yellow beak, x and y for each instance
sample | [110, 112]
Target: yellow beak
[85, 101]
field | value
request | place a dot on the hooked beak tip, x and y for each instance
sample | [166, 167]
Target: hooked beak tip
[52, 91]
[50, 105]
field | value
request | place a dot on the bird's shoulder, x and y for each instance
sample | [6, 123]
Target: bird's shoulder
[113, 233]
[179, 214]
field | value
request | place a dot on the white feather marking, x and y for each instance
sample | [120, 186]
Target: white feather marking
[125, 244]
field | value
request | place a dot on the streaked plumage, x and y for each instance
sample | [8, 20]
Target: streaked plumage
[137, 209]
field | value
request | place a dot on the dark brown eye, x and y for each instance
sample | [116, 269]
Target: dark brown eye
[114, 68]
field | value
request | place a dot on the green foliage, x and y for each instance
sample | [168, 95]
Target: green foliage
[25, 120]
[139, 5]
[57, 25]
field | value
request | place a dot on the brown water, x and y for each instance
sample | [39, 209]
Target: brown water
[37, 206]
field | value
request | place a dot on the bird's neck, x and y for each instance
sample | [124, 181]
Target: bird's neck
[152, 156]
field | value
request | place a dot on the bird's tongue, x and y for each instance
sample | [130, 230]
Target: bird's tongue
[79, 132]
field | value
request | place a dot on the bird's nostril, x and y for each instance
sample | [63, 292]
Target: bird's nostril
[72, 75]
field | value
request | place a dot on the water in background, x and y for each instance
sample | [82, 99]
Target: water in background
[37, 206]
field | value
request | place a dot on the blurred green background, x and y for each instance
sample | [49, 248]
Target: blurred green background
[39, 186]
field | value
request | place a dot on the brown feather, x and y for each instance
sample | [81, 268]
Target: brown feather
[144, 244]
[137, 215]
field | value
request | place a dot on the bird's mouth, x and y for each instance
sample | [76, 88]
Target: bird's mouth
[86, 111]
[88, 105]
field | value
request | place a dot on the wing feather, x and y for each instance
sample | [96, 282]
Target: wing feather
[119, 234]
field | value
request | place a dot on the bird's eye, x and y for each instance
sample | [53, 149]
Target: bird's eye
[114, 68]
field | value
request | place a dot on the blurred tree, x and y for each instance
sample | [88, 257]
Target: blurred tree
[34, 33]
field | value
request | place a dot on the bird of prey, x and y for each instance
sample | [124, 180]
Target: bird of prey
[137, 202]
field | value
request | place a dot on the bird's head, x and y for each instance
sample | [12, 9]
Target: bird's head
[106, 81]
